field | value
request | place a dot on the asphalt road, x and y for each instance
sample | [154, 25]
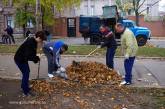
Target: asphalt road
[79, 41]
[146, 72]
[158, 42]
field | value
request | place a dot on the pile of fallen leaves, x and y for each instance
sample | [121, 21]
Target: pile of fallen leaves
[83, 74]
[42, 86]
[90, 73]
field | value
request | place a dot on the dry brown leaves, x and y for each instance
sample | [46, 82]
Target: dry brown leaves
[42, 86]
[90, 73]
[86, 73]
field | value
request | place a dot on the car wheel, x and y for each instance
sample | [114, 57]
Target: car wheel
[141, 40]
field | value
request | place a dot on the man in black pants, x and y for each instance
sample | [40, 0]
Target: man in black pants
[28, 52]
[110, 43]
[9, 31]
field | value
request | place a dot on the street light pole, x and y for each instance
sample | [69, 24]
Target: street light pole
[38, 16]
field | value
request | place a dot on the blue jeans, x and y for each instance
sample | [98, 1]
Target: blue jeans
[24, 68]
[128, 64]
[51, 66]
[110, 57]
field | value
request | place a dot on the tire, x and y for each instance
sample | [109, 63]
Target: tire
[141, 40]
[95, 39]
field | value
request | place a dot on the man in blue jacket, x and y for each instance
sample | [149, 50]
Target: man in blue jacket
[53, 51]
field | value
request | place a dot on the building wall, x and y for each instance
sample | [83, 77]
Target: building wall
[157, 27]
[7, 17]
[153, 10]
[60, 27]
[87, 7]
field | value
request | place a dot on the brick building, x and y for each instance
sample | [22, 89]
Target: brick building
[70, 16]
[6, 16]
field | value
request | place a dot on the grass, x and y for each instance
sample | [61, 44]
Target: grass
[157, 95]
[151, 52]
[86, 49]
[8, 48]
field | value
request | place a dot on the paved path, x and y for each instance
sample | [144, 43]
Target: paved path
[146, 72]
[79, 41]
[158, 42]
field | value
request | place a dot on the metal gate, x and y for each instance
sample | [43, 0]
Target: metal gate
[71, 27]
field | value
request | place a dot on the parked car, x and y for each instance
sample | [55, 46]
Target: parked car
[142, 34]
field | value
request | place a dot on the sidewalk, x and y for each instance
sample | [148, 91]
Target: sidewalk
[146, 72]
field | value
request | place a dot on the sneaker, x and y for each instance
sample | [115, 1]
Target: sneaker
[50, 75]
[125, 83]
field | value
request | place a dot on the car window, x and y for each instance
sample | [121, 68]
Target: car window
[129, 25]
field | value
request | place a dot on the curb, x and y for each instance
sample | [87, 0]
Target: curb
[138, 57]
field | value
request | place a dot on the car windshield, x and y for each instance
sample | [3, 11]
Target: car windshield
[134, 24]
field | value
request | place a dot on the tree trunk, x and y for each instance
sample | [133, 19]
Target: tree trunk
[24, 25]
[137, 17]
[42, 11]
[24, 30]
[38, 16]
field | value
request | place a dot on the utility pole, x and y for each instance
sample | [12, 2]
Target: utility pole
[38, 16]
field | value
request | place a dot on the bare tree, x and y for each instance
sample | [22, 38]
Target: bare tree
[137, 4]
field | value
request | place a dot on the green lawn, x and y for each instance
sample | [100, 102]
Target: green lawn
[86, 49]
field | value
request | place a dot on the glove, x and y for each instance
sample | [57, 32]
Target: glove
[62, 69]
[126, 56]
[37, 59]
[64, 75]
[99, 46]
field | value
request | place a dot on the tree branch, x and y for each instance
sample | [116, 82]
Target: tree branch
[151, 6]
[141, 4]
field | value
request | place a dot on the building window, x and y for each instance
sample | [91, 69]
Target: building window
[92, 10]
[148, 10]
[30, 24]
[86, 10]
[10, 21]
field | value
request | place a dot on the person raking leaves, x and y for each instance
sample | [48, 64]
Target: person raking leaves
[28, 52]
[110, 43]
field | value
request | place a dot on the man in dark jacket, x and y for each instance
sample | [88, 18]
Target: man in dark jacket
[53, 51]
[9, 31]
[110, 43]
[27, 52]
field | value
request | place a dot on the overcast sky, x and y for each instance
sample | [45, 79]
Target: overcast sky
[162, 5]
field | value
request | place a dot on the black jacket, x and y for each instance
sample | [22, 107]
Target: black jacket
[9, 30]
[27, 51]
[109, 41]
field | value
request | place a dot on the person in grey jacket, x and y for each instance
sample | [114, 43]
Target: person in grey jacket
[53, 51]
